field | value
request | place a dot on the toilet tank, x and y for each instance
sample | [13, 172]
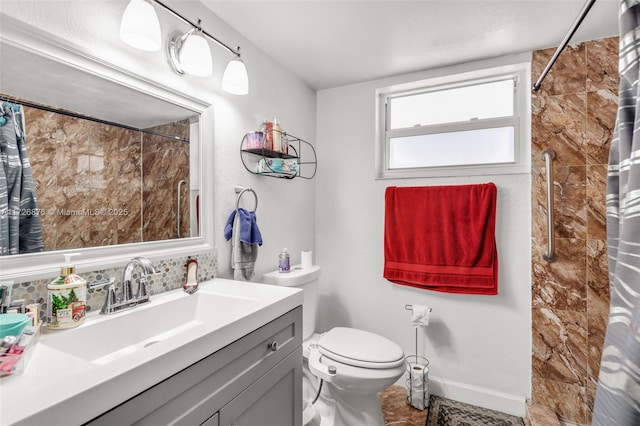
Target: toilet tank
[307, 280]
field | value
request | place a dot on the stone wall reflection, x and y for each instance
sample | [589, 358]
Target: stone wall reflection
[102, 185]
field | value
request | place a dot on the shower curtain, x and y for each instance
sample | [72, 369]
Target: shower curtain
[20, 227]
[618, 393]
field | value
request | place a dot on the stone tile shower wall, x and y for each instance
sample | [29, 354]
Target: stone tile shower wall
[573, 114]
[104, 185]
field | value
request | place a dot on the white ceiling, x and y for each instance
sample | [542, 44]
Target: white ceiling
[331, 43]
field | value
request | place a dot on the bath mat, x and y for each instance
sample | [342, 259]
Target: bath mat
[447, 412]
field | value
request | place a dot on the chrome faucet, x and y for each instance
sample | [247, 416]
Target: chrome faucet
[126, 300]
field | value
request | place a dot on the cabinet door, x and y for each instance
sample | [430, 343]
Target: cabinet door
[274, 400]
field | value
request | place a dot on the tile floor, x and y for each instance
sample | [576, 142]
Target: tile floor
[397, 412]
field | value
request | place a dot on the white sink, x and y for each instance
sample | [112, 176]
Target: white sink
[111, 337]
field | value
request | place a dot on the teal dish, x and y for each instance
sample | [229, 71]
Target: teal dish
[13, 324]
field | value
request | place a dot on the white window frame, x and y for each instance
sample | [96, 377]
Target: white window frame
[519, 72]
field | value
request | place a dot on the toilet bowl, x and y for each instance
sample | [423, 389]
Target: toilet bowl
[349, 365]
[356, 365]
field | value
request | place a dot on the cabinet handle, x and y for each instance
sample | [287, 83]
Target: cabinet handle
[273, 346]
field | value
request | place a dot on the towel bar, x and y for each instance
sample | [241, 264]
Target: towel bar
[240, 190]
[548, 156]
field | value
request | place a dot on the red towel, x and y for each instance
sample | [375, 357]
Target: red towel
[442, 238]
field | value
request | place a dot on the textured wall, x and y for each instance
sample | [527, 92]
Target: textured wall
[573, 114]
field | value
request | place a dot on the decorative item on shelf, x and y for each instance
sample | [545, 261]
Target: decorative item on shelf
[277, 135]
[267, 131]
[255, 140]
[277, 165]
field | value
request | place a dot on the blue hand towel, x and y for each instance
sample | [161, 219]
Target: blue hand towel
[249, 232]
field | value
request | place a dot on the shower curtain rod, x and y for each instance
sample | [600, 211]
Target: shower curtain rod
[89, 118]
[563, 44]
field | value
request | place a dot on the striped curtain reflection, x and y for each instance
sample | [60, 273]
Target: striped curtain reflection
[20, 227]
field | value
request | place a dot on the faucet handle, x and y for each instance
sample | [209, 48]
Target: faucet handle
[91, 287]
[111, 300]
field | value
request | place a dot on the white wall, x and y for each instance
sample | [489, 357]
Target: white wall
[478, 346]
[286, 208]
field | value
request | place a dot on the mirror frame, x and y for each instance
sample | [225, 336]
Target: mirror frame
[34, 266]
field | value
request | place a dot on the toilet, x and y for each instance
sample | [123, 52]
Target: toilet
[350, 364]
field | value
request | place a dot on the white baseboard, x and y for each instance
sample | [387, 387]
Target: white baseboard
[475, 395]
[482, 397]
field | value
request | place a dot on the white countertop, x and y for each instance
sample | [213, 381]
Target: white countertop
[57, 388]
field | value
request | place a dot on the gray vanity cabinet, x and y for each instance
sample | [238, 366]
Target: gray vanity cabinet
[254, 381]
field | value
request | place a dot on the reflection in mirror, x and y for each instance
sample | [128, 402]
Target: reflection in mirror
[99, 182]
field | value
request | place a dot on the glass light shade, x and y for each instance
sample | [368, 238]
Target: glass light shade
[140, 27]
[235, 79]
[195, 56]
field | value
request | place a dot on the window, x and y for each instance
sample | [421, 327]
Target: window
[463, 124]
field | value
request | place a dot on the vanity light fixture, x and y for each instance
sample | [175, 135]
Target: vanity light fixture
[140, 27]
[235, 79]
[189, 53]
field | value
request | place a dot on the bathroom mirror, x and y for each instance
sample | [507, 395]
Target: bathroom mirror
[127, 183]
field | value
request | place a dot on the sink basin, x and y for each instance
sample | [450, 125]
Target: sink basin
[165, 320]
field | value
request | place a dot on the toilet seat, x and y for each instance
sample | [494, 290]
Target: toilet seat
[360, 348]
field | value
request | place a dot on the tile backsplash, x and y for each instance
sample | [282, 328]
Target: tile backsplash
[171, 275]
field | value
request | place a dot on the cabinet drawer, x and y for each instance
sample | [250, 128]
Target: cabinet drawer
[194, 394]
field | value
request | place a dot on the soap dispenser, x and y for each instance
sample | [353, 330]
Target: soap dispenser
[67, 297]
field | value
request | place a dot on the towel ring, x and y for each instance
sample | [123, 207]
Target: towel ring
[240, 190]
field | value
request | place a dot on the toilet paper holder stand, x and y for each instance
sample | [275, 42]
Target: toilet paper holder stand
[417, 365]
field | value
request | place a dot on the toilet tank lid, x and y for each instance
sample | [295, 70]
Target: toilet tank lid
[297, 276]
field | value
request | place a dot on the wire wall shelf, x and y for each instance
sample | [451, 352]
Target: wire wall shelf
[298, 159]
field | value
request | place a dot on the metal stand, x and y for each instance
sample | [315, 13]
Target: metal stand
[417, 369]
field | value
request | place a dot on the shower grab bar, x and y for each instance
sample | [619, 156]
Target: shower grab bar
[240, 190]
[563, 44]
[179, 218]
[548, 156]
